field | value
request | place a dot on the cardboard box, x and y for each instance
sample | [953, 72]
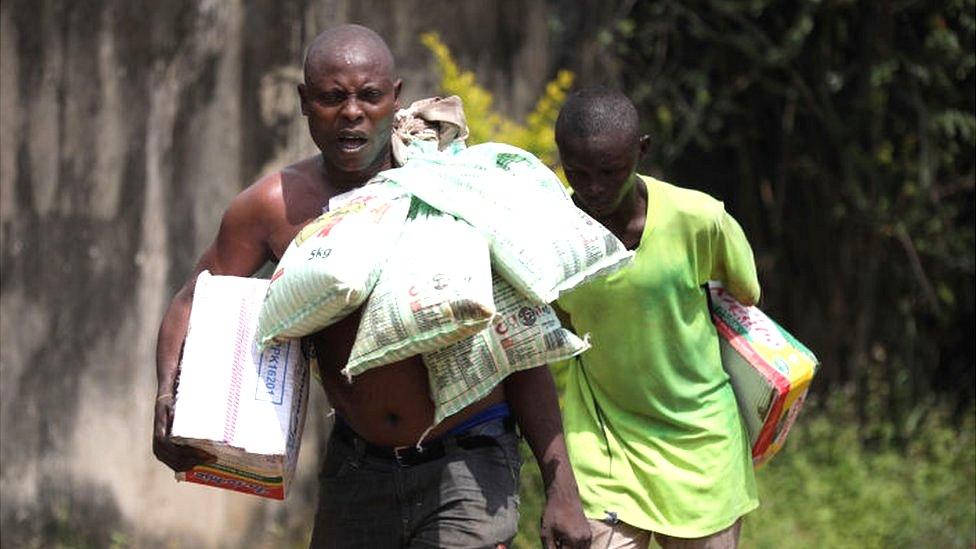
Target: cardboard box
[770, 370]
[245, 406]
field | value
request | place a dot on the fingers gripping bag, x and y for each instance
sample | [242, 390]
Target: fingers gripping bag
[434, 290]
[333, 263]
[523, 335]
[540, 241]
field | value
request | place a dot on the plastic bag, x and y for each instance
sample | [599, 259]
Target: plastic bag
[540, 241]
[435, 289]
[523, 335]
[330, 268]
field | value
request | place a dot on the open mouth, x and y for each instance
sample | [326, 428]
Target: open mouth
[351, 142]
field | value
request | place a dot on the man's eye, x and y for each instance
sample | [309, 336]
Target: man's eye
[371, 95]
[332, 98]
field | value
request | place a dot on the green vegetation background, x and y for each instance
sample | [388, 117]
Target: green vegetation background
[841, 135]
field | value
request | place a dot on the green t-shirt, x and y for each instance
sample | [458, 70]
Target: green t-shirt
[651, 422]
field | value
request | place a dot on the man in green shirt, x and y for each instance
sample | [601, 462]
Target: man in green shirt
[651, 423]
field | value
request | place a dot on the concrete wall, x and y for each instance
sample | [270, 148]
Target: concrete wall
[126, 128]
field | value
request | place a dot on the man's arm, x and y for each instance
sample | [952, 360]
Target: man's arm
[733, 263]
[532, 397]
[240, 249]
[168, 346]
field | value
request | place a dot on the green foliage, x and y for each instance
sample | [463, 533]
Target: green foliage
[830, 489]
[827, 488]
[841, 135]
[535, 135]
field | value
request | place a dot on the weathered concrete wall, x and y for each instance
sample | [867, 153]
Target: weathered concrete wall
[126, 128]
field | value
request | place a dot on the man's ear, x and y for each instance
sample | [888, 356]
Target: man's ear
[303, 99]
[397, 87]
[645, 144]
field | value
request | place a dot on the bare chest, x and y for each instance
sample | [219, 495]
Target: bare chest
[295, 218]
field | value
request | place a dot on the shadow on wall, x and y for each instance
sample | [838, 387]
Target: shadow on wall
[68, 511]
[127, 128]
[71, 515]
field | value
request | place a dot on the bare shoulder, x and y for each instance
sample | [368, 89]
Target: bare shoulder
[269, 199]
[261, 197]
[276, 206]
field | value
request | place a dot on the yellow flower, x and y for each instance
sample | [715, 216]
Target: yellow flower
[484, 124]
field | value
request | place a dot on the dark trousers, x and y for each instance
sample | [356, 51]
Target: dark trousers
[466, 498]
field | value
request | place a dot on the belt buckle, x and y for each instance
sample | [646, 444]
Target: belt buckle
[405, 455]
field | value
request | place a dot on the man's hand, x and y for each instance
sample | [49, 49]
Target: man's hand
[176, 456]
[169, 348]
[563, 523]
[242, 246]
[532, 397]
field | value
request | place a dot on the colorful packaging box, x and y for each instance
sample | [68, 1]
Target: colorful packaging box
[245, 406]
[770, 370]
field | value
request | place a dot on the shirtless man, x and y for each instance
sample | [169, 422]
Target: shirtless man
[376, 490]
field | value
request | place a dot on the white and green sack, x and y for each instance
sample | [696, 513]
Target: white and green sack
[523, 335]
[330, 268]
[540, 241]
[435, 289]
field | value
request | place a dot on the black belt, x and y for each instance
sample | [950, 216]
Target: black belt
[407, 456]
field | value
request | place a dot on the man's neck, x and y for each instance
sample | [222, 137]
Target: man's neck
[343, 181]
[628, 220]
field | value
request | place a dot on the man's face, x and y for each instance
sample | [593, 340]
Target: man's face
[349, 102]
[601, 170]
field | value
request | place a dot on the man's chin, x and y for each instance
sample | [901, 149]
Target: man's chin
[350, 163]
[597, 210]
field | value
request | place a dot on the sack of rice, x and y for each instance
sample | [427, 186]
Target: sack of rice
[523, 335]
[540, 241]
[433, 290]
[332, 265]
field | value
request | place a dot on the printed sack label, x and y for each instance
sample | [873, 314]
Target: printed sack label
[525, 334]
[539, 240]
[435, 289]
[332, 264]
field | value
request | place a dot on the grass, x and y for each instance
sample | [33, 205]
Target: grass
[832, 486]
[838, 483]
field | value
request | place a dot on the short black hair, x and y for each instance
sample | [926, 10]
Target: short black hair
[597, 111]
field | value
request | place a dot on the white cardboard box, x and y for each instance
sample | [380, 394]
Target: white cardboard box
[245, 406]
